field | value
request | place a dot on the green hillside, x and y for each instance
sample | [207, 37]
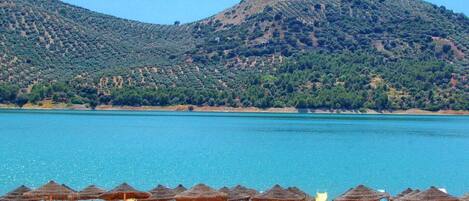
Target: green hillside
[341, 54]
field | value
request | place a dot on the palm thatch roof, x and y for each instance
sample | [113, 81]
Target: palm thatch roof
[246, 190]
[277, 193]
[362, 193]
[16, 194]
[69, 188]
[123, 192]
[179, 189]
[432, 194]
[51, 191]
[201, 192]
[224, 189]
[409, 194]
[404, 192]
[239, 193]
[161, 193]
[301, 193]
[90, 193]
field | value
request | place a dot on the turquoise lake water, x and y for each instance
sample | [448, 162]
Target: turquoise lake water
[314, 152]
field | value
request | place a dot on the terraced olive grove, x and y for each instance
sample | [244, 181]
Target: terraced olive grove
[341, 54]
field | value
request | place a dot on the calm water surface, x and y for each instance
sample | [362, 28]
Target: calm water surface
[313, 152]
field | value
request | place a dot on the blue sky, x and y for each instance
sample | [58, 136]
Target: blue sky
[168, 11]
[157, 11]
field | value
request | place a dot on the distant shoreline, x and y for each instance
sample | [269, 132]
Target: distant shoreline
[181, 108]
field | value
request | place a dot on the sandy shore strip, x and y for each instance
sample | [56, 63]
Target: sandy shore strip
[229, 109]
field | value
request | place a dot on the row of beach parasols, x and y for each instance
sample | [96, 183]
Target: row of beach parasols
[201, 192]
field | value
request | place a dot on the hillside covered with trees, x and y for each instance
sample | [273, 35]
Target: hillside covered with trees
[328, 54]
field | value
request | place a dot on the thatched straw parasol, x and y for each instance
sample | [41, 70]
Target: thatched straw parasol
[362, 193]
[405, 192]
[69, 188]
[179, 189]
[243, 190]
[50, 191]
[124, 192]
[239, 193]
[90, 193]
[17, 194]
[432, 194]
[201, 192]
[402, 194]
[409, 194]
[224, 190]
[73, 195]
[161, 193]
[277, 193]
[301, 193]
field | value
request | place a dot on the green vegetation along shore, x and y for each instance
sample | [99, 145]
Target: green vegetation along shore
[315, 81]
